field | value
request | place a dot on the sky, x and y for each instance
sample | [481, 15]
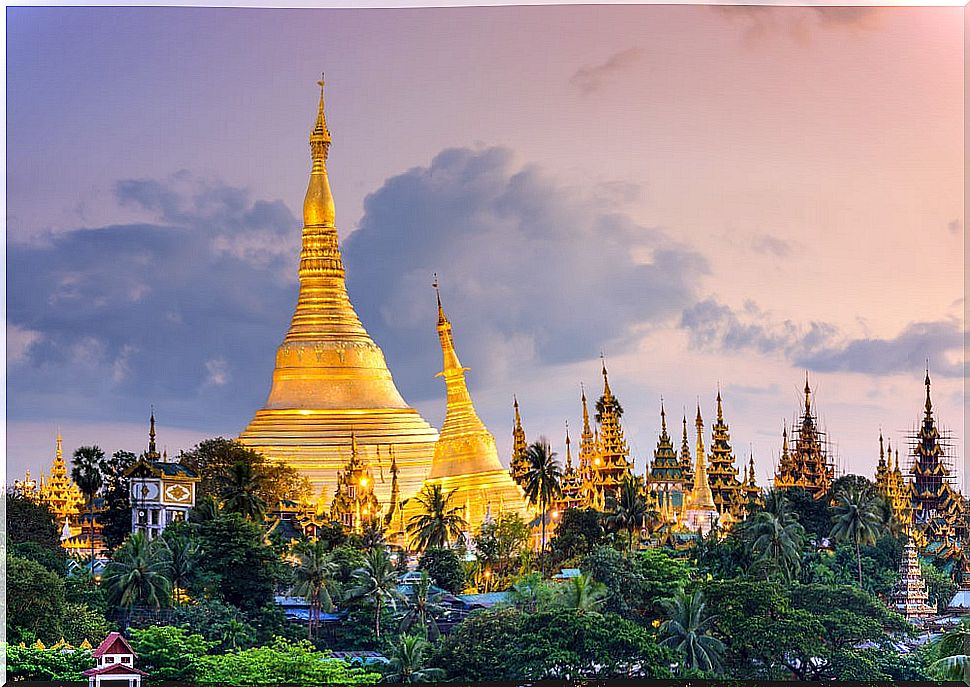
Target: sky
[709, 197]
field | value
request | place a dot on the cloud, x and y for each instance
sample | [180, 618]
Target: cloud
[760, 23]
[591, 78]
[771, 245]
[115, 317]
[822, 346]
[532, 272]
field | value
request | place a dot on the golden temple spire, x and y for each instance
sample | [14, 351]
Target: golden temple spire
[890, 445]
[929, 403]
[607, 393]
[663, 417]
[701, 497]
[451, 366]
[720, 411]
[808, 396]
[586, 429]
[59, 452]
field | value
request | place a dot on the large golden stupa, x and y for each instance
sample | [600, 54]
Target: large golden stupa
[331, 380]
[465, 458]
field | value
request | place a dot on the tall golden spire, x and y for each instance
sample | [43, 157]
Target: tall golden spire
[330, 377]
[808, 396]
[152, 453]
[519, 464]
[701, 497]
[465, 458]
[569, 451]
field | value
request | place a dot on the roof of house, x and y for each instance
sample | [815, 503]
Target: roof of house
[114, 643]
[158, 468]
[114, 669]
[960, 600]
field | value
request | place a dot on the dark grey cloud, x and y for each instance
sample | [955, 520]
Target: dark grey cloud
[184, 310]
[821, 346]
[591, 78]
[532, 271]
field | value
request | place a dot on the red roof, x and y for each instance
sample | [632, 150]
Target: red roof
[113, 644]
[113, 669]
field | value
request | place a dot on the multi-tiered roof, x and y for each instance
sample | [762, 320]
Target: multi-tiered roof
[721, 473]
[807, 465]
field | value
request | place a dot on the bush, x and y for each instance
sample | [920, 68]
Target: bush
[168, 653]
[28, 663]
[445, 568]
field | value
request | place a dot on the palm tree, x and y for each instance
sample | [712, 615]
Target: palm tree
[530, 592]
[438, 522]
[179, 554]
[378, 579]
[136, 576]
[857, 520]
[373, 536]
[422, 607]
[686, 632]
[543, 478]
[954, 663]
[407, 662]
[583, 594]
[774, 542]
[314, 574]
[240, 491]
[88, 474]
[628, 510]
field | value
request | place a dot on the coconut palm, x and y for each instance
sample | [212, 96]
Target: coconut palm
[774, 542]
[422, 607]
[542, 482]
[954, 663]
[373, 536]
[240, 491]
[136, 576]
[377, 579]
[407, 662]
[686, 631]
[88, 474]
[314, 575]
[628, 509]
[857, 520]
[438, 522]
[583, 594]
[179, 555]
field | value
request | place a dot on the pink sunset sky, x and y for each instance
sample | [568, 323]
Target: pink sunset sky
[706, 195]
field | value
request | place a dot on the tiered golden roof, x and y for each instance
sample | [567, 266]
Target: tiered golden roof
[611, 464]
[519, 465]
[808, 465]
[465, 458]
[61, 495]
[721, 473]
[665, 478]
[331, 379]
[909, 596]
[571, 482]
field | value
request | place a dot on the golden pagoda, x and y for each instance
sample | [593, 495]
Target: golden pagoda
[354, 504]
[807, 466]
[686, 464]
[588, 458]
[890, 485]
[331, 379]
[752, 492]
[58, 492]
[466, 462]
[701, 512]
[571, 482]
[665, 478]
[611, 464]
[721, 474]
[519, 465]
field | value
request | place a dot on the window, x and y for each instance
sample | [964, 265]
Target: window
[109, 659]
[154, 517]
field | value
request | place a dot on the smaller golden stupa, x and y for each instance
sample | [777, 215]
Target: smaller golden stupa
[701, 513]
[465, 458]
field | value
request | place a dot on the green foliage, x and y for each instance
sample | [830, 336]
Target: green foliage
[558, 644]
[686, 631]
[774, 542]
[313, 574]
[213, 460]
[722, 559]
[628, 509]
[217, 622]
[582, 593]
[530, 592]
[82, 622]
[116, 518]
[445, 568]
[578, 533]
[500, 547]
[32, 533]
[940, 587]
[857, 519]
[346, 559]
[407, 664]
[136, 575]
[168, 653]
[804, 631]
[812, 514]
[636, 585]
[438, 522]
[35, 602]
[28, 663]
[235, 564]
[377, 581]
[281, 663]
[542, 480]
